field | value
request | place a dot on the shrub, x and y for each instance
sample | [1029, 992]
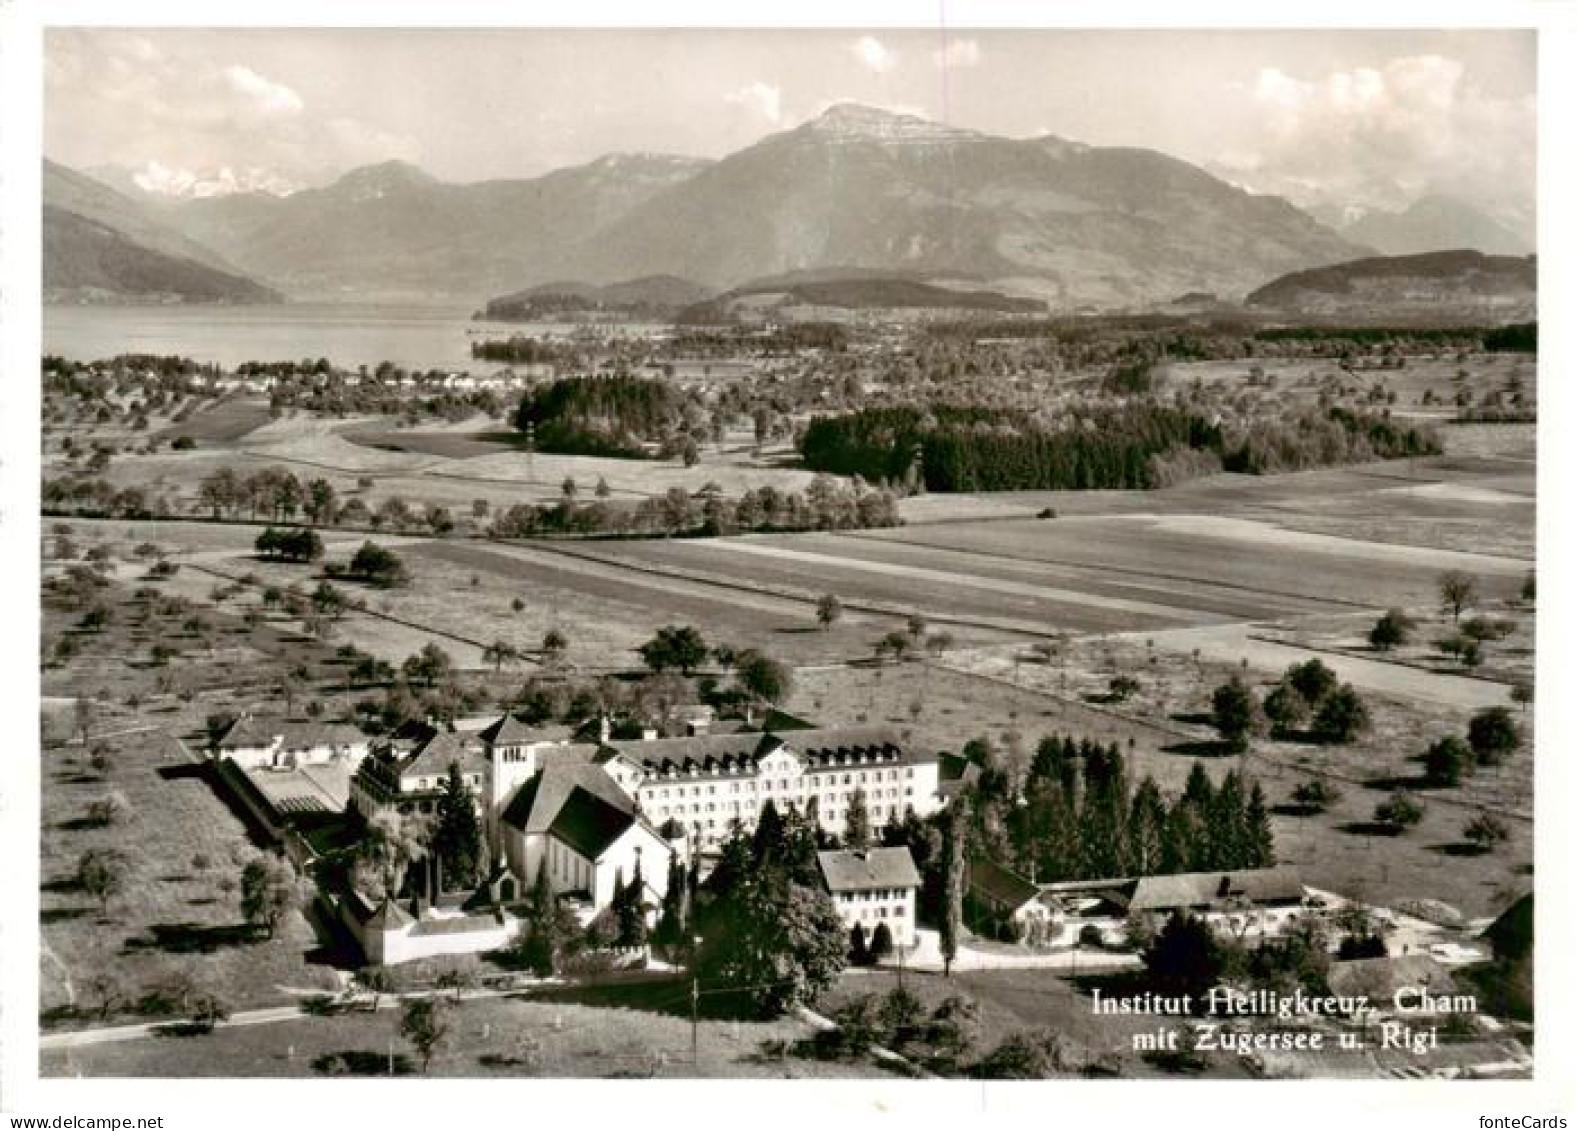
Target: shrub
[1493, 733]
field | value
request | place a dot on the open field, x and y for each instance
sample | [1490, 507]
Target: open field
[1335, 850]
[639, 1031]
[177, 915]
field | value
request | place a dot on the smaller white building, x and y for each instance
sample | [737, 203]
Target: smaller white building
[256, 742]
[873, 886]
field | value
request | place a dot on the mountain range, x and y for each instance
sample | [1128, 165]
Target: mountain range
[1071, 224]
[1431, 223]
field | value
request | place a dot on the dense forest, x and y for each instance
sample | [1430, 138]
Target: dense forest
[603, 416]
[1140, 444]
[1071, 811]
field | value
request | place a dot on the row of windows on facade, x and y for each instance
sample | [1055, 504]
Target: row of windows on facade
[784, 784]
[872, 895]
[475, 781]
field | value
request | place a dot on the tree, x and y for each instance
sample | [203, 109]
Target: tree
[859, 951]
[429, 667]
[1186, 957]
[457, 835]
[1285, 708]
[674, 647]
[422, 1023]
[881, 942]
[269, 891]
[378, 566]
[103, 873]
[1522, 694]
[897, 643]
[776, 942]
[632, 911]
[1458, 591]
[1530, 589]
[675, 910]
[1234, 713]
[109, 809]
[1121, 688]
[763, 679]
[1312, 680]
[954, 865]
[1392, 630]
[499, 653]
[828, 610]
[1485, 832]
[554, 645]
[1399, 812]
[857, 821]
[1448, 761]
[1493, 734]
[1341, 717]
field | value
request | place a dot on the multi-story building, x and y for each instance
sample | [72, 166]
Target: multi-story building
[871, 887]
[590, 807]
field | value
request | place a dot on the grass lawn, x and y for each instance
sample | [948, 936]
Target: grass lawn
[492, 1037]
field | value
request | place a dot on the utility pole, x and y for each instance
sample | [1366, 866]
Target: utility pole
[695, 1007]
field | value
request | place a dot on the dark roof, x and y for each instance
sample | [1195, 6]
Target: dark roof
[389, 916]
[861, 870]
[573, 798]
[589, 824]
[507, 730]
[738, 753]
[1209, 889]
[999, 885]
[1512, 933]
[443, 749]
[250, 731]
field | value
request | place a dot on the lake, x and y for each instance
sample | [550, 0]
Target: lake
[348, 334]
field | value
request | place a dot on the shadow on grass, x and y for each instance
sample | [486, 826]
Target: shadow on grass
[362, 1062]
[1194, 718]
[1293, 809]
[66, 885]
[1395, 782]
[183, 1029]
[80, 824]
[1459, 848]
[185, 771]
[1204, 748]
[62, 914]
[191, 938]
[1370, 828]
[666, 996]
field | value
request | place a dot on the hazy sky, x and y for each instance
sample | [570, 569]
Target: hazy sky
[1342, 116]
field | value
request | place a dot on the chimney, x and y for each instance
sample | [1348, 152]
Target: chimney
[604, 727]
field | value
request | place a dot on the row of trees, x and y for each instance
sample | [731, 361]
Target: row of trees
[826, 504]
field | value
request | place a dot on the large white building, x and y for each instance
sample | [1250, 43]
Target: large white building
[597, 809]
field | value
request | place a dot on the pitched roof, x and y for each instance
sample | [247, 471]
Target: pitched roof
[738, 753]
[1511, 934]
[389, 916]
[251, 731]
[860, 870]
[589, 824]
[1000, 885]
[434, 756]
[1206, 889]
[507, 730]
[567, 769]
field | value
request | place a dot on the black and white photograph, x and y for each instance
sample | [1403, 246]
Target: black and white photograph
[892, 553]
